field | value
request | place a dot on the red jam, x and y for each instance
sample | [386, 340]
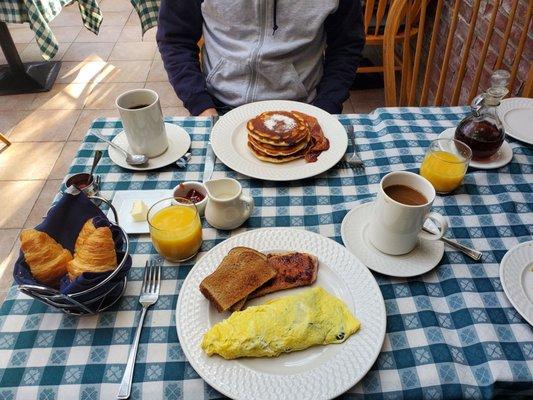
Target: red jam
[194, 196]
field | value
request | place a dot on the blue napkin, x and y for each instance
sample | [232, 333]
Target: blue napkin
[63, 223]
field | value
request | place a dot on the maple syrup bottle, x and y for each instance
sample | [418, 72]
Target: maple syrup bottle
[482, 130]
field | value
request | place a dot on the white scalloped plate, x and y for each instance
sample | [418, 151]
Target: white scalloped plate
[320, 372]
[229, 141]
[516, 274]
[516, 114]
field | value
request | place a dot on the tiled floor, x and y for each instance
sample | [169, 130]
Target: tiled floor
[46, 128]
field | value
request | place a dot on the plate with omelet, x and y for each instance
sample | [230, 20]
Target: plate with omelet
[278, 313]
[279, 140]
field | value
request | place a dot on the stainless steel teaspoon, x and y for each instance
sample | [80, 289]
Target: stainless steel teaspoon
[96, 159]
[472, 253]
[131, 159]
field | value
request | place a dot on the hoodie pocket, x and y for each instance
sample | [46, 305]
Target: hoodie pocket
[279, 81]
[213, 71]
[228, 81]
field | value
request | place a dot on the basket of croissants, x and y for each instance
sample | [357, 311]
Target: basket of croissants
[76, 260]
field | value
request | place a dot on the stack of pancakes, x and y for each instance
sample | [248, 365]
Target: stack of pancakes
[279, 136]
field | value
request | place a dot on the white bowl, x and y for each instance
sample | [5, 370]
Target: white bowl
[182, 189]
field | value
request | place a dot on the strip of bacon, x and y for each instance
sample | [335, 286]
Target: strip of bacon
[318, 142]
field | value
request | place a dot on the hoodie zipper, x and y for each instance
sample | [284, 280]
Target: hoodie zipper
[250, 93]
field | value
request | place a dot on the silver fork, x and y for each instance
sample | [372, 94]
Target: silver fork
[354, 160]
[149, 295]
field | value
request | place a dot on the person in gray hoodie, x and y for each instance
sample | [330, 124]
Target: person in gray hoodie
[303, 50]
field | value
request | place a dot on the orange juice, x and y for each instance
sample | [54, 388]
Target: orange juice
[444, 170]
[176, 232]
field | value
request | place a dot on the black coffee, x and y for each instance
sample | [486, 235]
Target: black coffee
[405, 195]
[137, 107]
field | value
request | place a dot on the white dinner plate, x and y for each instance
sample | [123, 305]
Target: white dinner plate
[423, 258]
[123, 202]
[516, 115]
[179, 142]
[516, 275]
[502, 157]
[229, 141]
[320, 372]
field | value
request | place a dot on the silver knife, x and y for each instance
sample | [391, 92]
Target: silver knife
[210, 158]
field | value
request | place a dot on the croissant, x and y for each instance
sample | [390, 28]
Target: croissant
[46, 258]
[95, 254]
[86, 231]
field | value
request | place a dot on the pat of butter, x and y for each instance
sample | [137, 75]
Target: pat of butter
[139, 211]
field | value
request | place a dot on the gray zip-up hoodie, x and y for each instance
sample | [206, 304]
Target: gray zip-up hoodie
[261, 50]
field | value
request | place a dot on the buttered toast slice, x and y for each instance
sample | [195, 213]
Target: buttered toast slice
[241, 272]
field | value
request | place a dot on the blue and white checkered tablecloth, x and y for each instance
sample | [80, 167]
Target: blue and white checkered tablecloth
[451, 333]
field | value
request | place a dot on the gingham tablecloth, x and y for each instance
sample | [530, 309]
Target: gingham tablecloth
[451, 333]
[38, 13]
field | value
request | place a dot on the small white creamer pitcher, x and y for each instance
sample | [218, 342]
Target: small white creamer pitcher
[227, 207]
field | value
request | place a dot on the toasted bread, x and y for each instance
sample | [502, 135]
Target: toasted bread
[238, 306]
[241, 272]
[293, 270]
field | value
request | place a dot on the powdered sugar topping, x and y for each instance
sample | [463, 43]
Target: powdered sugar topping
[280, 123]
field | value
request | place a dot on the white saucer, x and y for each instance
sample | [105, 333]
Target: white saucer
[516, 114]
[498, 160]
[179, 142]
[421, 259]
[516, 275]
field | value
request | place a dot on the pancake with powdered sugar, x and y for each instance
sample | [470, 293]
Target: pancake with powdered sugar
[278, 128]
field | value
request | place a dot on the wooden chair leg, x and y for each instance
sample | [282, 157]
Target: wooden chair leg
[4, 139]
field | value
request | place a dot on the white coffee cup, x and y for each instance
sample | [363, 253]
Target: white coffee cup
[144, 127]
[395, 228]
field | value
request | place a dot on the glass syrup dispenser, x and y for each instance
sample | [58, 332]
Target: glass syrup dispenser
[482, 130]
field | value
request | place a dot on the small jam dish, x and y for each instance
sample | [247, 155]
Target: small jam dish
[195, 192]
[84, 182]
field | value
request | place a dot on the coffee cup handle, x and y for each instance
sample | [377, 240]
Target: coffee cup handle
[440, 221]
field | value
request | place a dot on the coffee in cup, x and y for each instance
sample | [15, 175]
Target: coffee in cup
[405, 195]
[142, 118]
[402, 206]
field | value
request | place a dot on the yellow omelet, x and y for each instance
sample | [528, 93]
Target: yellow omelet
[282, 325]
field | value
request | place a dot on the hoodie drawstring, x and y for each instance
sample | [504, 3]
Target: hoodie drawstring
[274, 17]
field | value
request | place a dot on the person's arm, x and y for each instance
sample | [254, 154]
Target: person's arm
[179, 29]
[345, 39]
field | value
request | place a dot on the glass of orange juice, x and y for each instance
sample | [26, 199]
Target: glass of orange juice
[445, 164]
[175, 228]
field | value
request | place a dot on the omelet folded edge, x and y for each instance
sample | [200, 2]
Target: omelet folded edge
[236, 344]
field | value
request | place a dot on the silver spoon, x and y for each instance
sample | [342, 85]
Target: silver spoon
[472, 253]
[131, 159]
[96, 159]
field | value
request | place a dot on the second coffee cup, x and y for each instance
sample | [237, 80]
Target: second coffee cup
[142, 118]
[403, 203]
